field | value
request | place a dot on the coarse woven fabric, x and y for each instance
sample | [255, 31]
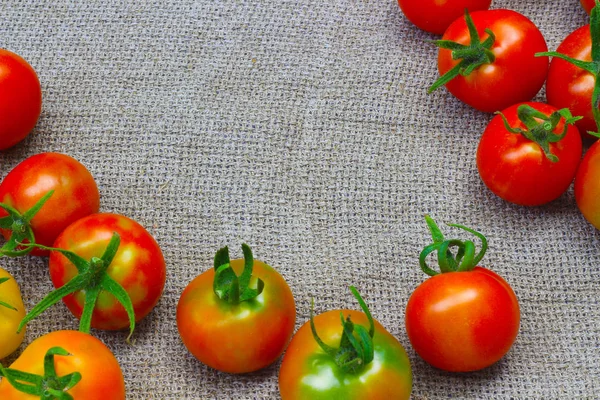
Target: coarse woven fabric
[302, 128]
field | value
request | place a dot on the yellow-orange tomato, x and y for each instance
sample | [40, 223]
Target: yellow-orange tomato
[237, 338]
[101, 376]
[308, 373]
[10, 295]
[587, 185]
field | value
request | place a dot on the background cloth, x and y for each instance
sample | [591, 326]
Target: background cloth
[302, 128]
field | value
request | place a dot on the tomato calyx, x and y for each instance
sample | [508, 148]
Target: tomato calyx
[92, 278]
[540, 127]
[464, 259]
[354, 352]
[593, 67]
[476, 54]
[19, 225]
[49, 386]
[2, 303]
[227, 285]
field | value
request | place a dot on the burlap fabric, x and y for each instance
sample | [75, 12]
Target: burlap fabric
[304, 129]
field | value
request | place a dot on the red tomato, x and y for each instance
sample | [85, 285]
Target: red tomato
[241, 337]
[20, 99]
[138, 266]
[515, 167]
[75, 194]
[101, 376]
[569, 86]
[465, 318]
[308, 373]
[515, 75]
[588, 5]
[587, 185]
[436, 15]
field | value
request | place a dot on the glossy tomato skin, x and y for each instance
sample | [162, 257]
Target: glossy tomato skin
[20, 99]
[569, 86]
[138, 266]
[516, 169]
[307, 373]
[101, 376]
[515, 76]
[435, 16]
[463, 321]
[588, 5]
[75, 194]
[587, 185]
[237, 338]
[10, 319]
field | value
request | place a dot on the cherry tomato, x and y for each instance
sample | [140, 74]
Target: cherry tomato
[101, 376]
[138, 267]
[237, 334]
[310, 371]
[465, 318]
[588, 5]
[505, 70]
[20, 99]
[75, 195]
[436, 15]
[569, 86]
[587, 185]
[12, 312]
[528, 164]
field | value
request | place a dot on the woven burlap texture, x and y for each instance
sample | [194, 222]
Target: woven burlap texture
[302, 128]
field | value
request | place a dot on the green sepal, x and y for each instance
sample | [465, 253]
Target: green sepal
[50, 386]
[20, 227]
[2, 303]
[92, 278]
[471, 57]
[465, 258]
[540, 127]
[227, 286]
[355, 350]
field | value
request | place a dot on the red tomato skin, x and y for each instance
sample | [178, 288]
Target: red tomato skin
[237, 338]
[587, 185]
[75, 194]
[101, 376]
[435, 16]
[139, 267]
[516, 169]
[20, 99]
[569, 86]
[588, 5]
[515, 76]
[463, 321]
[389, 376]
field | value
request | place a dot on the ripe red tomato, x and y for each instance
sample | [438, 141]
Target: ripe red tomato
[311, 372]
[101, 376]
[138, 267]
[515, 167]
[465, 318]
[588, 5]
[436, 15]
[20, 99]
[587, 185]
[569, 86]
[506, 70]
[239, 336]
[75, 195]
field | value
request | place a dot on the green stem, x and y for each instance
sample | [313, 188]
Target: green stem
[48, 386]
[92, 278]
[227, 285]
[471, 57]
[356, 349]
[465, 258]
